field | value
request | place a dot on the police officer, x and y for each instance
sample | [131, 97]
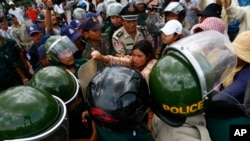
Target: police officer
[125, 37]
[178, 101]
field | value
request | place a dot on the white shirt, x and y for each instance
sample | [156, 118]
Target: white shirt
[18, 12]
[7, 34]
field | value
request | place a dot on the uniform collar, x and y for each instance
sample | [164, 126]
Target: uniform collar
[126, 35]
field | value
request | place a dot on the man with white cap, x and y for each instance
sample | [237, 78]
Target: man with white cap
[125, 37]
[18, 12]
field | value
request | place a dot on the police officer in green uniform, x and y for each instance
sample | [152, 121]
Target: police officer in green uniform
[95, 39]
[112, 13]
[60, 51]
[125, 37]
[13, 71]
[142, 15]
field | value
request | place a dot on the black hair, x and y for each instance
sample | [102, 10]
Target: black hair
[145, 47]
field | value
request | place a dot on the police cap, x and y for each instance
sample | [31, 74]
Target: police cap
[129, 12]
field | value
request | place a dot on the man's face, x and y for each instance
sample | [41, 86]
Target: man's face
[130, 26]
[171, 16]
[3, 25]
[36, 37]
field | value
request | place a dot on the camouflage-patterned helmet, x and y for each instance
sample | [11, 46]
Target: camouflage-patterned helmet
[56, 45]
[28, 113]
[114, 9]
[78, 14]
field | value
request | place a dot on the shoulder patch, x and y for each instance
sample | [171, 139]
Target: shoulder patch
[118, 35]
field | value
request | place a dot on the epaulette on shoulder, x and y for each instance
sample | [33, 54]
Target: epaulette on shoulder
[141, 27]
[118, 35]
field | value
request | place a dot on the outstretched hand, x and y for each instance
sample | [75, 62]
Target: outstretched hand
[96, 55]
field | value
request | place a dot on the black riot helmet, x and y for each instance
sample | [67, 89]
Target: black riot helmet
[117, 98]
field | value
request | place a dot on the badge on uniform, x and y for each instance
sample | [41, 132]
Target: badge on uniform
[116, 44]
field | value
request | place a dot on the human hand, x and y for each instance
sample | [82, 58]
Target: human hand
[96, 55]
[25, 81]
[85, 118]
[48, 4]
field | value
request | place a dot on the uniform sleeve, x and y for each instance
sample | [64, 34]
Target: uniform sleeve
[146, 71]
[117, 42]
[125, 61]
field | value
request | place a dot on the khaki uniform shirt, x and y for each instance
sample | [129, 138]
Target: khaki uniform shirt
[194, 129]
[123, 42]
[22, 37]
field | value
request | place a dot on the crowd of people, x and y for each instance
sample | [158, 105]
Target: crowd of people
[137, 34]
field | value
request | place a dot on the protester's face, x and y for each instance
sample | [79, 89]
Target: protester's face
[168, 39]
[14, 21]
[53, 17]
[66, 57]
[36, 37]
[139, 59]
[3, 25]
[41, 24]
[116, 21]
[130, 26]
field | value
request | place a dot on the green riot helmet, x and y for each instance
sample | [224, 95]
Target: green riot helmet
[181, 81]
[57, 81]
[117, 98]
[177, 8]
[107, 3]
[114, 9]
[30, 114]
[100, 8]
[58, 45]
[78, 14]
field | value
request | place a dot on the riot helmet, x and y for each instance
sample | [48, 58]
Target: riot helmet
[70, 4]
[114, 9]
[56, 81]
[176, 8]
[100, 8]
[78, 14]
[32, 115]
[58, 45]
[107, 3]
[181, 87]
[117, 98]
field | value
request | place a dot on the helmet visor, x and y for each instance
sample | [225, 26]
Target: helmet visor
[61, 46]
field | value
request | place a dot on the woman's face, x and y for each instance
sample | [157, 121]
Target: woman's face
[66, 57]
[139, 59]
[116, 21]
[168, 39]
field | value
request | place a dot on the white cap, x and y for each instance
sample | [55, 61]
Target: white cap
[11, 2]
[140, 1]
[172, 26]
